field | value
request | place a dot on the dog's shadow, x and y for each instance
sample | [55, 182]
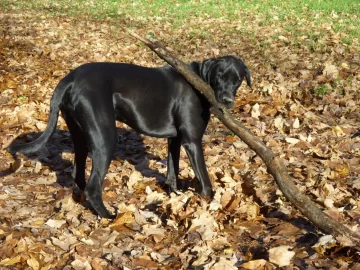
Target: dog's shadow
[130, 147]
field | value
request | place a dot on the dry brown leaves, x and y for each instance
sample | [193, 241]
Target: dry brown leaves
[45, 224]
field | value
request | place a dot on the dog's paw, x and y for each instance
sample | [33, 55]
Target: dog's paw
[108, 215]
[174, 190]
[111, 216]
[171, 186]
[207, 193]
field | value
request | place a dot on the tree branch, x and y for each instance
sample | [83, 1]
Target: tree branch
[274, 166]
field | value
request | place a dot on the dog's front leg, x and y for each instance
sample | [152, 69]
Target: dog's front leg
[195, 153]
[174, 145]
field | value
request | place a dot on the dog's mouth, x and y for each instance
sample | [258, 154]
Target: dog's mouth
[227, 105]
[227, 101]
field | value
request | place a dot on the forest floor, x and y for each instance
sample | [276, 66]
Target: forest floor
[304, 104]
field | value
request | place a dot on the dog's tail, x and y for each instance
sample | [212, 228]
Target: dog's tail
[247, 75]
[61, 89]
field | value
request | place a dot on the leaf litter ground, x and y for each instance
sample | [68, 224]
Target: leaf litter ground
[304, 105]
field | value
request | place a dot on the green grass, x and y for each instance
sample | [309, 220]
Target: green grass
[23, 98]
[186, 8]
[327, 6]
[343, 16]
[322, 90]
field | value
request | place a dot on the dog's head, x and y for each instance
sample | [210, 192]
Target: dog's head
[225, 75]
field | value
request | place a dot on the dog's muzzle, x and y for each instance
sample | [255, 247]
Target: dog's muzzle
[227, 100]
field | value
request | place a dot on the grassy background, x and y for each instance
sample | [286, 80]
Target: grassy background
[180, 8]
[176, 12]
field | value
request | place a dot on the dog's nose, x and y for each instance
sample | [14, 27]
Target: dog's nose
[227, 101]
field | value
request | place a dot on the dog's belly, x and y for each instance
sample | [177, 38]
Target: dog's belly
[153, 119]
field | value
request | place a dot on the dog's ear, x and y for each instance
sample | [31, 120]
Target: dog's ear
[206, 69]
[195, 67]
[247, 75]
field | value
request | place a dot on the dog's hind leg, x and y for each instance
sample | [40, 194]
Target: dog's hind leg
[103, 143]
[96, 117]
[174, 145]
[81, 150]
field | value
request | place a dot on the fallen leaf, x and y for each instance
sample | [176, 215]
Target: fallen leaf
[279, 123]
[10, 261]
[325, 242]
[255, 264]
[205, 224]
[251, 210]
[331, 71]
[149, 229]
[33, 263]
[78, 264]
[230, 139]
[134, 178]
[55, 223]
[223, 263]
[158, 257]
[292, 140]
[281, 255]
[226, 198]
[255, 111]
[121, 219]
[64, 243]
[338, 131]
[146, 263]
[296, 123]
[201, 255]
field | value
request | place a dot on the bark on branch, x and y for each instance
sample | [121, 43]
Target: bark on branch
[275, 168]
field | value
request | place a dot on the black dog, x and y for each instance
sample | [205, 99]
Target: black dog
[154, 101]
